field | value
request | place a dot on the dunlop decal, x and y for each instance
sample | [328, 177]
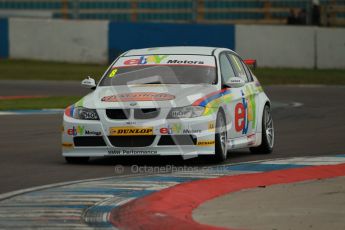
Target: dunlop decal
[205, 143]
[131, 131]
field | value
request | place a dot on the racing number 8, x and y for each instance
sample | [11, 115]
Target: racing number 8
[113, 73]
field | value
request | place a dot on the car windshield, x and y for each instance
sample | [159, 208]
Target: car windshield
[182, 69]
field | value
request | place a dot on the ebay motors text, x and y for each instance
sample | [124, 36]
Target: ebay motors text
[157, 59]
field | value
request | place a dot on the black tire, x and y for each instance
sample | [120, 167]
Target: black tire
[267, 133]
[220, 138]
[77, 160]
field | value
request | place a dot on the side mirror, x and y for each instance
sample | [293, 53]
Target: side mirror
[235, 82]
[89, 83]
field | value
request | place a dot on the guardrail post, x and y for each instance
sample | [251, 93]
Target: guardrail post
[332, 13]
[200, 11]
[75, 9]
[64, 9]
[134, 11]
[267, 7]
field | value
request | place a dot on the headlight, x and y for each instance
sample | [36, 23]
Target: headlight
[186, 112]
[82, 113]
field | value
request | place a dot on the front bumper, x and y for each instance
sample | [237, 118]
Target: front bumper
[191, 136]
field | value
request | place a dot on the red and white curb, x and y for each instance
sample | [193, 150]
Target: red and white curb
[105, 203]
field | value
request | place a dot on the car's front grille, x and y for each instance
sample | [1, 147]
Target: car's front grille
[177, 140]
[131, 141]
[146, 113]
[88, 141]
[118, 114]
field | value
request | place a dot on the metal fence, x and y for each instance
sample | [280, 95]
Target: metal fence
[328, 12]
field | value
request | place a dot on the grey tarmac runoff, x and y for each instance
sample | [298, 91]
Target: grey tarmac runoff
[316, 204]
[31, 153]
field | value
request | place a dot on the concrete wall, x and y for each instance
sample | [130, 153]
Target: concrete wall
[59, 40]
[101, 41]
[330, 48]
[277, 46]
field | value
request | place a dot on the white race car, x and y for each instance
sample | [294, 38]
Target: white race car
[186, 101]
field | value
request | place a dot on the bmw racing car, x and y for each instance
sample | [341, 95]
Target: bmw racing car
[185, 101]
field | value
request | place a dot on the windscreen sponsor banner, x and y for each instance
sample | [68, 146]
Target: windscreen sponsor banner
[165, 60]
[139, 96]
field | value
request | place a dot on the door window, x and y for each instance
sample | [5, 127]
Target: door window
[249, 74]
[239, 68]
[226, 68]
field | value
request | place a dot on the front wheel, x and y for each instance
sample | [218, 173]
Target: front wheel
[77, 160]
[221, 138]
[267, 141]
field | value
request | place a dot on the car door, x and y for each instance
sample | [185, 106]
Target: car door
[245, 124]
[231, 102]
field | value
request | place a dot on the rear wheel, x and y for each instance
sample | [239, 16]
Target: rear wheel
[220, 138]
[267, 133]
[77, 160]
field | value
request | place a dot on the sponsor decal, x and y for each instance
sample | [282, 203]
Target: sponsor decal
[154, 59]
[67, 145]
[190, 131]
[141, 96]
[211, 126]
[74, 131]
[96, 133]
[178, 129]
[251, 139]
[130, 131]
[171, 129]
[80, 130]
[157, 59]
[245, 112]
[165, 60]
[240, 117]
[235, 80]
[131, 152]
[231, 144]
[186, 62]
[205, 143]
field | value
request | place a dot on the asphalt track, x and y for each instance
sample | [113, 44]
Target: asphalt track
[30, 145]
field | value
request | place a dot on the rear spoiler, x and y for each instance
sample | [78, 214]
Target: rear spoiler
[251, 63]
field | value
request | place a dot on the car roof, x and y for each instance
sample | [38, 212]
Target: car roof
[191, 50]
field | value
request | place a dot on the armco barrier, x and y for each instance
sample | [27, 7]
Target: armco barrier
[59, 40]
[4, 40]
[125, 36]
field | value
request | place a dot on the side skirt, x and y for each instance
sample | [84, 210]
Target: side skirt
[247, 141]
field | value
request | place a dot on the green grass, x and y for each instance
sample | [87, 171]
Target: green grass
[38, 103]
[269, 76]
[38, 70]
